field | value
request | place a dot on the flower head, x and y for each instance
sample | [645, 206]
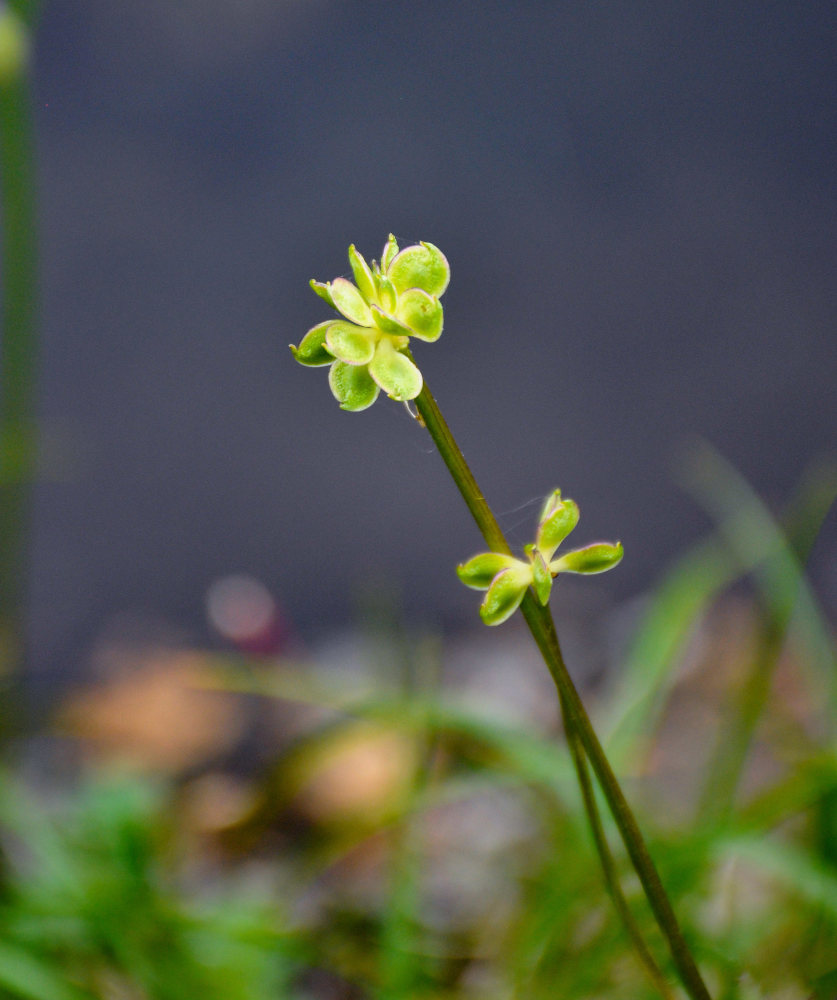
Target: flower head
[385, 306]
[506, 578]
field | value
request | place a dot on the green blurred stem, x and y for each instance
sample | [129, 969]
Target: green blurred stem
[17, 329]
[542, 627]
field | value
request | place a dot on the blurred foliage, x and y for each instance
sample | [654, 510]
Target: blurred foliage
[93, 906]
[402, 842]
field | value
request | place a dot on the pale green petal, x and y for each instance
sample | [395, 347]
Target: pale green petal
[478, 572]
[421, 266]
[387, 324]
[312, 350]
[395, 373]
[352, 387]
[363, 276]
[556, 526]
[505, 594]
[323, 290]
[350, 302]
[353, 344]
[421, 312]
[541, 577]
[390, 250]
[596, 558]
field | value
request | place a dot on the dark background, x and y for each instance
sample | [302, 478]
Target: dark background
[638, 204]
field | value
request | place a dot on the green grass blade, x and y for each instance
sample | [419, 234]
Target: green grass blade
[749, 529]
[640, 694]
[803, 876]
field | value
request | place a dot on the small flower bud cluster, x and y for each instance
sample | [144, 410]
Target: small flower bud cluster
[505, 578]
[385, 306]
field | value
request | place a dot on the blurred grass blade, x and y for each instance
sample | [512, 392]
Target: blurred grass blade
[654, 656]
[23, 976]
[749, 529]
[798, 870]
[810, 506]
[688, 590]
[401, 962]
[32, 824]
[807, 784]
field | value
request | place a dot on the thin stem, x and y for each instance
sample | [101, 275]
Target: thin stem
[606, 858]
[453, 458]
[17, 323]
[542, 628]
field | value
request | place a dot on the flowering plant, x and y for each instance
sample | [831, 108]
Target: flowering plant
[367, 348]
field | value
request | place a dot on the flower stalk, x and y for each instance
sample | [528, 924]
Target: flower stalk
[577, 722]
[611, 876]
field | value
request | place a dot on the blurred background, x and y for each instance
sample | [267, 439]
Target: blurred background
[638, 202]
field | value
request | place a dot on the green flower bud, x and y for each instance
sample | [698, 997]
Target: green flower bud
[389, 252]
[312, 350]
[348, 300]
[387, 324]
[560, 519]
[395, 373]
[352, 344]
[541, 577]
[386, 293]
[596, 558]
[352, 386]
[421, 313]
[507, 578]
[549, 505]
[478, 572]
[323, 289]
[423, 266]
[362, 273]
[505, 593]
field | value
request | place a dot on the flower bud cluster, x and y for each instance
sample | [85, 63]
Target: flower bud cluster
[505, 578]
[387, 304]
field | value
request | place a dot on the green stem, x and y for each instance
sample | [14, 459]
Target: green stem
[606, 858]
[542, 628]
[18, 328]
